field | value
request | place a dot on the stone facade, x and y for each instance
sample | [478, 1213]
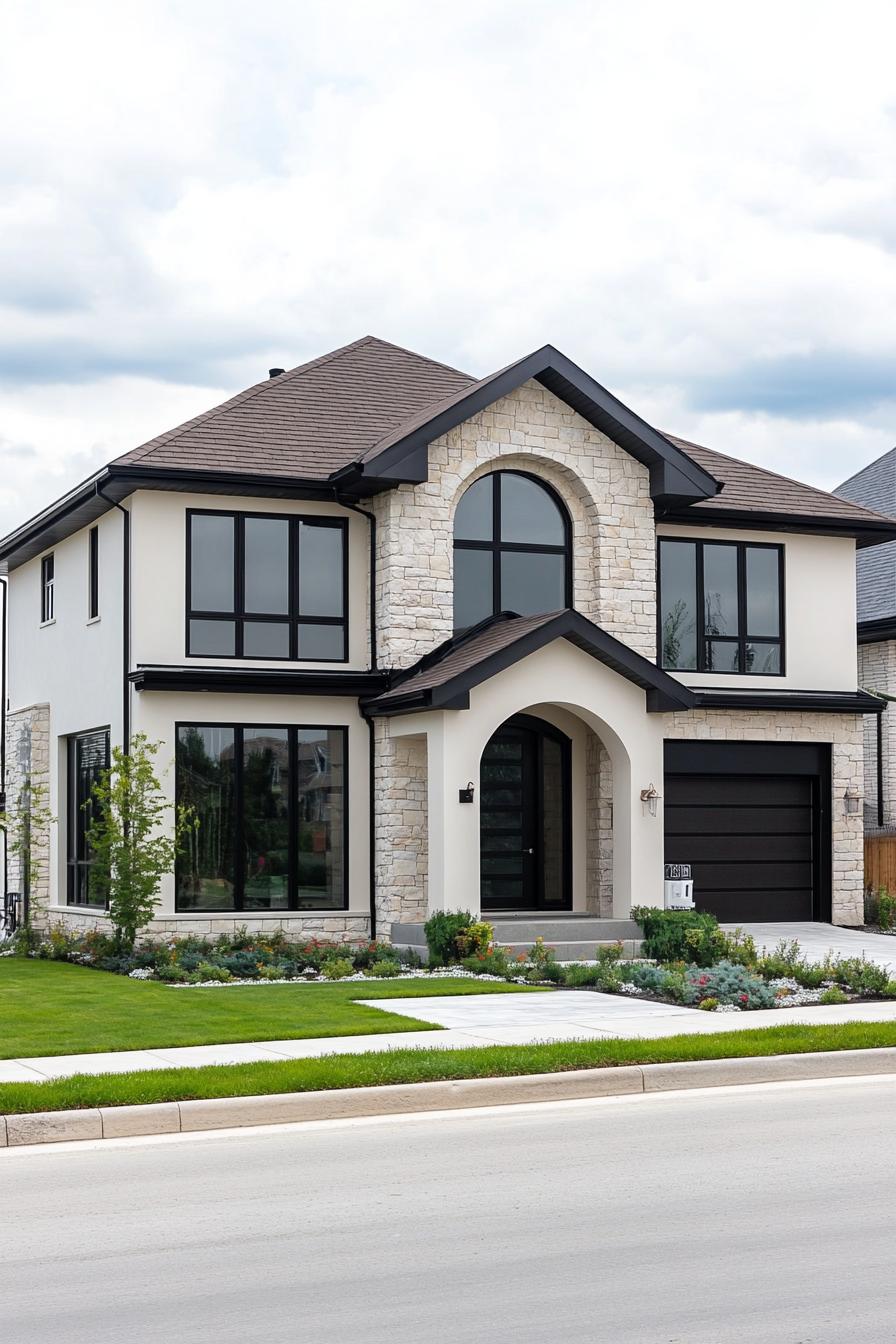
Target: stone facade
[877, 672]
[338, 928]
[599, 829]
[28, 763]
[845, 734]
[401, 846]
[607, 494]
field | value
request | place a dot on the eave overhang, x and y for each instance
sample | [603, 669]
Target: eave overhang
[258, 681]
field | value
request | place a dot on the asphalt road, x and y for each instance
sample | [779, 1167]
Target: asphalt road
[749, 1215]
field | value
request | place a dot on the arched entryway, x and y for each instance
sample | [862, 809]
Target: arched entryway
[525, 819]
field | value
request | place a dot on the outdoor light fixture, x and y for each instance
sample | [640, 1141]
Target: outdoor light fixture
[852, 802]
[649, 799]
[466, 795]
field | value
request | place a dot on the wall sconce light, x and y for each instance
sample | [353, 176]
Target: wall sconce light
[466, 795]
[852, 802]
[649, 799]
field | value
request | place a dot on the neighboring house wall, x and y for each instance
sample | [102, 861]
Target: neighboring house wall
[844, 733]
[877, 672]
[27, 768]
[820, 611]
[605, 490]
[65, 677]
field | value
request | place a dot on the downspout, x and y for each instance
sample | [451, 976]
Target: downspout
[374, 665]
[125, 619]
[3, 638]
[880, 768]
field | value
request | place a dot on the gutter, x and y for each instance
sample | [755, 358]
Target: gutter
[125, 618]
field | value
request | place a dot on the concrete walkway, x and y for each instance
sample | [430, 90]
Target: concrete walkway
[489, 1019]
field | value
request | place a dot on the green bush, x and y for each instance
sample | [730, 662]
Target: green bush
[708, 1005]
[603, 975]
[886, 909]
[475, 938]
[336, 968]
[441, 930]
[493, 962]
[691, 936]
[383, 970]
[786, 960]
[857, 974]
[175, 975]
[834, 995]
[729, 982]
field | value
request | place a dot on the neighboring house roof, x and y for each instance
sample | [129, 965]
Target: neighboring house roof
[875, 488]
[443, 679]
[359, 420]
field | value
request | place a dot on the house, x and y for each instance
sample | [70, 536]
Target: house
[415, 640]
[875, 488]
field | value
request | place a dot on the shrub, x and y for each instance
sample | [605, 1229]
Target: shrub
[207, 970]
[886, 909]
[603, 975]
[834, 995]
[728, 982]
[492, 962]
[386, 969]
[336, 968]
[709, 1005]
[786, 961]
[441, 930]
[277, 972]
[474, 939]
[174, 975]
[857, 974]
[741, 947]
[691, 936]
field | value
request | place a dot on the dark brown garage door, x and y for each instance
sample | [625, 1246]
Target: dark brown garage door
[752, 841]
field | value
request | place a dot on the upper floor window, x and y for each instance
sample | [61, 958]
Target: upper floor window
[721, 607]
[511, 549]
[266, 586]
[47, 588]
[93, 573]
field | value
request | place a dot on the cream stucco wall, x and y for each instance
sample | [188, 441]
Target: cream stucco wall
[820, 611]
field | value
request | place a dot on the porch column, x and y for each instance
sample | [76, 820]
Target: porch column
[638, 837]
[453, 827]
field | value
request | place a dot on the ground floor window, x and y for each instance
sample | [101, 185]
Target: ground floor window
[88, 755]
[271, 804]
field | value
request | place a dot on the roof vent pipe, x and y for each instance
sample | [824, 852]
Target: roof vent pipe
[275, 373]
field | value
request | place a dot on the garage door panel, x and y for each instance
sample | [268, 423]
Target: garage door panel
[751, 821]
[751, 841]
[737, 790]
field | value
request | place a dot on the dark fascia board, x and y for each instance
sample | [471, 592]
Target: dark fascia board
[818, 702]
[878, 631]
[259, 681]
[85, 504]
[674, 477]
[663, 692]
[868, 532]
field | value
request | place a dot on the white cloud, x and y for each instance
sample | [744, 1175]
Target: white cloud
[672, 194]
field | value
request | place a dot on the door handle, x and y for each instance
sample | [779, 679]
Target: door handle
[528, 851]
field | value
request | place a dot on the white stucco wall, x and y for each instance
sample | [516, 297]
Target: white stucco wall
[819, 615]
[158, 591]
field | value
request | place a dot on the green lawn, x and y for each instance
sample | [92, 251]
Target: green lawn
[425, 1065]
[54, 1008]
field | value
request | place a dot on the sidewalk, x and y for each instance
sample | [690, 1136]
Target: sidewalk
[500, 1019]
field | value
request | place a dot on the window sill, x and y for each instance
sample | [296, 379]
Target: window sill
[43, 625]
[93, 620]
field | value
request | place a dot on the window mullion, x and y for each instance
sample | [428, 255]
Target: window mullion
[292, 861]
[240, 827]
[239, 580]
[742, 607]
[702, 658]
[496, 544]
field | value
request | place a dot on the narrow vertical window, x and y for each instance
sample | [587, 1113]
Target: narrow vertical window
[88, 756]
[93, 573]
[47, 585]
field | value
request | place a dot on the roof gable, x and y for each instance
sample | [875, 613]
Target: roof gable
[444, 678]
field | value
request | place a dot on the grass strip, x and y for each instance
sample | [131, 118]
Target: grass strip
[420, 1065]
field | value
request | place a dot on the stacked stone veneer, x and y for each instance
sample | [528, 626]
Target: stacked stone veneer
[607, 494]
[845, 734]
[598, 828]
[28, 759]
[877, 672]
[339, 928]
[401, 846]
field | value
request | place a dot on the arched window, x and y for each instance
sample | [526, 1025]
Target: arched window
[511, 549]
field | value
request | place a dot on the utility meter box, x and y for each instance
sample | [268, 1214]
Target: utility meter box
[678, 887]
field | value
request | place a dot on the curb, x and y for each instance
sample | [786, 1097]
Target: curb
[172, 1117]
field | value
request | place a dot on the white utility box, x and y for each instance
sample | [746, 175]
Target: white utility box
[678, 887]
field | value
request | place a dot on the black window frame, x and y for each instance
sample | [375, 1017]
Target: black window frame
[78, 864]
[743, 636]
[293, 616]
[93, 574]
[497, 547]
[292, 730]
[48, 588]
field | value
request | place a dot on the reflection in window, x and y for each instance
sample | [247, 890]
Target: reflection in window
[271, 808]
[720, 607]
[511, 549]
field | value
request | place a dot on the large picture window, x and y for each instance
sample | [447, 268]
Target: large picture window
[266, 586]
[721, 607]
[511, 549]
[271, 804]
[88, 756]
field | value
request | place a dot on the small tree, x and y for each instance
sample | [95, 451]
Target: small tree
[26, 826]
[132, 847]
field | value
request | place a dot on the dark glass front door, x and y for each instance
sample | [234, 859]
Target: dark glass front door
[524, 818]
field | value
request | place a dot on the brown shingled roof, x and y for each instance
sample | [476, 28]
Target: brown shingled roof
[311, 421]
[750, 489]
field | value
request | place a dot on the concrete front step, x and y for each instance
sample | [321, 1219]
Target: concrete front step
[520, 929]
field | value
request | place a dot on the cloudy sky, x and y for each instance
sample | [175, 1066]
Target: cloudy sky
[697, 202]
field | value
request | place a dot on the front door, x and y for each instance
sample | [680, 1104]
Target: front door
[524, 818]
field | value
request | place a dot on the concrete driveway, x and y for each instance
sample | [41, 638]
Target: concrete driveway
[817, 940]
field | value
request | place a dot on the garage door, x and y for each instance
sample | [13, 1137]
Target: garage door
[752, 841]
